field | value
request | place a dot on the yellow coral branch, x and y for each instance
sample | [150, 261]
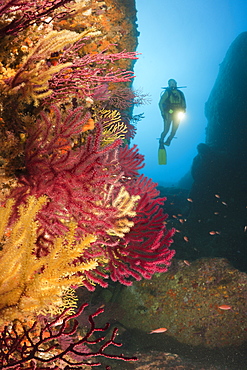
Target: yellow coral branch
[28, 285]
[125, 204]
[5, 213]
[113, 126]
[34, 74]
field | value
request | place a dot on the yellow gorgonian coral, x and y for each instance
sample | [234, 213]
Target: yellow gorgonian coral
[34, 74]
[31, 285]
[125, 204]
[113, 126]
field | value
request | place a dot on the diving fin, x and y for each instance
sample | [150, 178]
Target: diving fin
[162, 154]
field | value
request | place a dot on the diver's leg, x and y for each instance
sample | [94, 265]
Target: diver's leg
[167, 124]
[175, 124]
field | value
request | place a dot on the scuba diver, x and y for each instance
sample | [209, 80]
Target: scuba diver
[172, 106]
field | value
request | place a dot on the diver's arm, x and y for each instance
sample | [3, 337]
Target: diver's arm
[162, 102]
[183, 100]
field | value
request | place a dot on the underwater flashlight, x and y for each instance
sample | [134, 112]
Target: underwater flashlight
[180, 115]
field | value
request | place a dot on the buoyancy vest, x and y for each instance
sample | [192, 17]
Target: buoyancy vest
[175, 100]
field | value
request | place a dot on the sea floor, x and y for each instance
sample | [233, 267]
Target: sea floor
[184, 358]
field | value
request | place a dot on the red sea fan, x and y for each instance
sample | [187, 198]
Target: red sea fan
[122, 98]
[131, 130]
[82, 184]
[73, 179]
[125, 98]
[131, 161]
[145, 249]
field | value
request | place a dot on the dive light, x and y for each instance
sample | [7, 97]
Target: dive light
[180, 115]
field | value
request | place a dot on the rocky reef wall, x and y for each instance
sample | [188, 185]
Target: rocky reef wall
[216, 221]
[226, 108]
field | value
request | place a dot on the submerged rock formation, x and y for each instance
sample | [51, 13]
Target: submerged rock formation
[226, 108]
[226, 112]
[200, 304]
[219, 170]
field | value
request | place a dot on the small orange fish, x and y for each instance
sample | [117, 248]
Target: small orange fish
[189, 200]
[160, 330]
[224, 203]
[187, 262]
[186, 238]
[212, 232]
[225, 307]
[245, 228]
[217, 195]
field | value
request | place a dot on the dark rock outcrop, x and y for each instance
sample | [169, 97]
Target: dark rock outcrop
[217, 221]
[226, 111]
[226, 108]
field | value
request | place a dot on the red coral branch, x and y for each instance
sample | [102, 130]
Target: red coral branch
[84, 77]
[74, 180]
[26, 13]
[124, 98]
[131, 161]
[29, 348]
[145, 249]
